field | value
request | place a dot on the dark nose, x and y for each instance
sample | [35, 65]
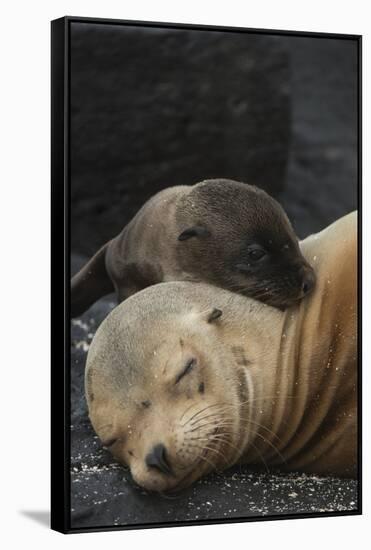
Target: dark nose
[157, 458]
[309, 280]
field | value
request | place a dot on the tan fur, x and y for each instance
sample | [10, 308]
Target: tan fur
[280, 388]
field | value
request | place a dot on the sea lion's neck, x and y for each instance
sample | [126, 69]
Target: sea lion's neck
[296, 365]
[266, 344]
[261, 339]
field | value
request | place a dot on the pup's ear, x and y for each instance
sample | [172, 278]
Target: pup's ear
[195, 231]
[90, 283]
[209, 315]
[213, 315]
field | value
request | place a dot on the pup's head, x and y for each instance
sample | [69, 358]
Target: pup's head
[163, 390]
[238, 237]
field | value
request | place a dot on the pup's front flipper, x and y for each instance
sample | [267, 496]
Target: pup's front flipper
[90, 283]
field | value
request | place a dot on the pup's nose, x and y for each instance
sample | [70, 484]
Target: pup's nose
[309, 280]
[157, 458]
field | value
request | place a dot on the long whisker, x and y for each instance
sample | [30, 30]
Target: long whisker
[225, 424]
[261, 456]
[246, 419]
[208, 461]
[273, 447]
[234, 405]
[199, 412]
[213, 415]
[185, 412]
[237, 405]
[221, 439]
[263, 427]
[210, 423]
[212, 450]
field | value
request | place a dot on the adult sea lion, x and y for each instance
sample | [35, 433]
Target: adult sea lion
[183, 378]
[222, 232]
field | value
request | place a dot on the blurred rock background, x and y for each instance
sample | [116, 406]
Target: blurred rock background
[152, 108]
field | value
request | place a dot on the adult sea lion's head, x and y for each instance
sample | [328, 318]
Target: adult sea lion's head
[163, 390]
[238, 237]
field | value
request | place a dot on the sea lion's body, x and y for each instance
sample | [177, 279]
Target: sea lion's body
[185, 377]
[206, 232]
[142, 254]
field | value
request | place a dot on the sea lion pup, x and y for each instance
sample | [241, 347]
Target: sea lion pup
[222, 232]
[183, 378]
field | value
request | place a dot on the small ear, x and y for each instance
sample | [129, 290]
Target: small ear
[214, 314]
[195, 231]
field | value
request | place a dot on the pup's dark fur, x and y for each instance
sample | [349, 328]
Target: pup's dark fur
[222, 232]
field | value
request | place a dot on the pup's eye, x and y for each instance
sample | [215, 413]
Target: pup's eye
[256, 254]
[188, 367]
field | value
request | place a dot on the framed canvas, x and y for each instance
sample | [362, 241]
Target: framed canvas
[205, 274]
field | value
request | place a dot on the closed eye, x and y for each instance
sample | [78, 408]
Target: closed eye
[109, 442]
[188, 367]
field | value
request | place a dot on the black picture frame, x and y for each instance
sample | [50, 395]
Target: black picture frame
[61, 269]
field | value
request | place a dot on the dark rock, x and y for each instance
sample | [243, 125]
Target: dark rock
[152, 108]
[322, 172]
